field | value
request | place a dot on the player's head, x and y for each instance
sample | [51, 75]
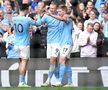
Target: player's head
[41, 6]
[24, 8]
[62, 10]
[53, 8]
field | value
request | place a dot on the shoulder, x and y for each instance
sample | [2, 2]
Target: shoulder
[45, 15]
[95, 32]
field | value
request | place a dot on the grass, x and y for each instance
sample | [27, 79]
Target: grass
[54, 88]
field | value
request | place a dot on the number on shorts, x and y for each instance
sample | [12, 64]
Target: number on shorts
[65, 50]
[56, 51]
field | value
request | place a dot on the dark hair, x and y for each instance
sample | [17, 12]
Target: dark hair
[12, 29]
[1, 34]
[31, 15]
[63, 7]
[95, 11]
[24, 7]
[99, 25]
[102, 3]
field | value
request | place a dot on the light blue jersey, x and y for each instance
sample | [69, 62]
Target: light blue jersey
[3, 21]
[11, 52]
[66, 37]
[21, 28]
[54, 29]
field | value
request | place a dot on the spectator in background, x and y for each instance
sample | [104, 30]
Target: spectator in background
[9, 39]
[25, 1]
[98, 3]
[75, 35]
[5, 3]
[81, 12]
[38, 41]
[2, 46]
[9, 13]
[102, 12]
[92, 19]
[35, 10]
[15, 5]
[105, 31]
[100, 40]
[1, 4]
[2, 21]
[68, 3]
[87, 42]
[89, 8]
[105, 26]
[41, 8]
[19, 3]
[34, 4]
[84, 2]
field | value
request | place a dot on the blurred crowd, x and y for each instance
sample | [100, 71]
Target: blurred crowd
[90, 27]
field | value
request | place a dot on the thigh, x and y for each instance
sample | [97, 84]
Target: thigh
[48, 51]
[25, 52]
[65, 51]
[55, 50]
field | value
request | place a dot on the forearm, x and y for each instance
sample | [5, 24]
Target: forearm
[59, 17]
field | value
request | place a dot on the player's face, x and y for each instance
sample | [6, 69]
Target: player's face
[59, 12]
[52, 9]
[40, 7]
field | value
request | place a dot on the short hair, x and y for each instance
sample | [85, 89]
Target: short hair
[97, 23]
[63, 7]
[54, 3]
[90, 24]
[24, 7]
[103, 3]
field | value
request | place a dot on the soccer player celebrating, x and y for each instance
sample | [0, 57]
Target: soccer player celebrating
[21, 25]
[65, 44]
[53, 38]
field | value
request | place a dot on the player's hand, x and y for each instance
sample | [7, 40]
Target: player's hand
[48, 13]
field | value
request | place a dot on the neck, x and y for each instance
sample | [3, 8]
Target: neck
[22, 13]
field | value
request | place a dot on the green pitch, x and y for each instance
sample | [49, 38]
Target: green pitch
[54, 88]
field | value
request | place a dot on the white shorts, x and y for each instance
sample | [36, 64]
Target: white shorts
[65, 51]
[23, 51]
[53, 50]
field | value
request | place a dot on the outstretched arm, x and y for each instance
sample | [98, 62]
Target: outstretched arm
[64, 18]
